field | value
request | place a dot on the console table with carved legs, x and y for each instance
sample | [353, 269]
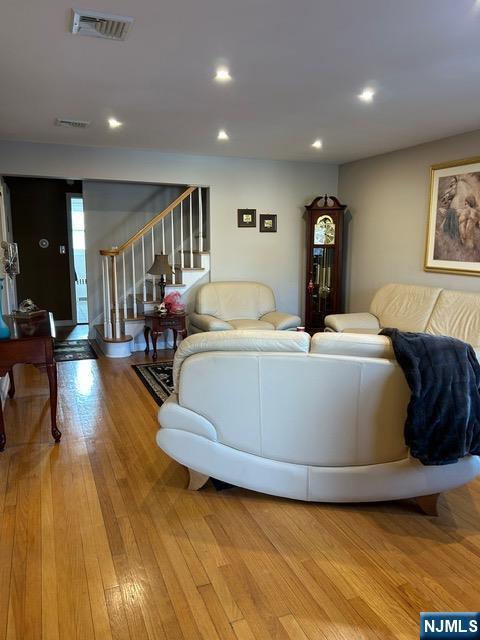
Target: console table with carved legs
[30, 342]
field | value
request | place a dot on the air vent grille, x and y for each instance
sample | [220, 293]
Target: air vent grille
[74, 124]
[100, 25]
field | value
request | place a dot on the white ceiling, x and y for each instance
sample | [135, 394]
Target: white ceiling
[297, 69]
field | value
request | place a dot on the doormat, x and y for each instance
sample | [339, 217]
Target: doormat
[157, 378]
[69, 350]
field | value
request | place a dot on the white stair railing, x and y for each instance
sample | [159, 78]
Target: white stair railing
[117, 275]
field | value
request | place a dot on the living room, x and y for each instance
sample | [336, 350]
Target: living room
[100, 535]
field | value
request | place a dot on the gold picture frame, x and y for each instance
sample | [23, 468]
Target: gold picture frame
[453, 229]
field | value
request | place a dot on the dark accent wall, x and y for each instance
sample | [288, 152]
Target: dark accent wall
[39, 210]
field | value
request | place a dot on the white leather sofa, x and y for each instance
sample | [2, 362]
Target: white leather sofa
[413, 308]
[317, 418]
[223, 306]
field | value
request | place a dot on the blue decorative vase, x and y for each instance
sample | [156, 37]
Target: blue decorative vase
[4, 330]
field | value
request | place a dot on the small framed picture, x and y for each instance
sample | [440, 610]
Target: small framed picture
[247, 217]
[268, 223]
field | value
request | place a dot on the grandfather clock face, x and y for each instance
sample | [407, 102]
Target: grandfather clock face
[324, 231]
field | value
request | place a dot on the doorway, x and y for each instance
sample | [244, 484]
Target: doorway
[40, 227]
[78, 262]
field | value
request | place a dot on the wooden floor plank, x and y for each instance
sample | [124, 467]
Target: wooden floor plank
[100, 539]
[49, 568]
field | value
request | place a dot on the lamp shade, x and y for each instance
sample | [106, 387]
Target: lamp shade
[160, 266]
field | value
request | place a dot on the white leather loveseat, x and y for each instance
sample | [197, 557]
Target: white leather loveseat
[317, 418]
[223, 306]
[413, 308]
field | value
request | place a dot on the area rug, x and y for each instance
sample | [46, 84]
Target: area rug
[69, 350]
[157, 378]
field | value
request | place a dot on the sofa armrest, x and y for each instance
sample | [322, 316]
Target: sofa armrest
[205, 322]
[352, 344]
[281, 321]
[358, 321]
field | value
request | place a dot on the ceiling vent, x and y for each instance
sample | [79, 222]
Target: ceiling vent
[100, 25]
[74, 124]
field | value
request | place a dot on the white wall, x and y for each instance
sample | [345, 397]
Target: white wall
[268, 186]
[387, 196]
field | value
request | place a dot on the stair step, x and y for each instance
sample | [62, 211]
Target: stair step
[179, 285]
[122, 338]
[177, 266]
[198, 253]
[130, 315]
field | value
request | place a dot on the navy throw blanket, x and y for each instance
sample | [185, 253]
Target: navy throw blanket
[443, 418]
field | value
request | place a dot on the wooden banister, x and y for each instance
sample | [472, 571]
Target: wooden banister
[149, 225]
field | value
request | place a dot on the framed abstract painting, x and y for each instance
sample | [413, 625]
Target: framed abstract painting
[453, 233]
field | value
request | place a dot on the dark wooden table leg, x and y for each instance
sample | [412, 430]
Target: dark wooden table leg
[52, 383]
[174, 339]
[3, 439]
[154, 335]
[146, 331]
[11, 388]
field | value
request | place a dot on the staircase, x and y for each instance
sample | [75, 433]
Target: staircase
[180, 231]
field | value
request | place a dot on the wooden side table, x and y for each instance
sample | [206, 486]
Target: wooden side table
[30, 342]
[156, 323]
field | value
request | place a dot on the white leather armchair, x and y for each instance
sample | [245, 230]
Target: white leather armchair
[223, 306]
[317, 418]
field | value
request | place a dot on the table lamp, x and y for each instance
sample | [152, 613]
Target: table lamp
[161, 268]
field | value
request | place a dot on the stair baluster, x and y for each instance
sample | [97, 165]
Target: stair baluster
[134, 282]
[173, 245]
[143, 269]
[117, 328]
[108, 324]
[154, 297]
[124, 286]
[191, 233]
[200, 220]
[182, 256]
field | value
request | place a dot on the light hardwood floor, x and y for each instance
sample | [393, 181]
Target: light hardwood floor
[100, 539]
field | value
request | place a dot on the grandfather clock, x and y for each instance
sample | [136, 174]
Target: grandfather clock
[324, 261]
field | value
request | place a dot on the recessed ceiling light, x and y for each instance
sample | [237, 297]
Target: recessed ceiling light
[223, 75]
[113, 123]
[317, 144]
[367, 95]
[222, 135]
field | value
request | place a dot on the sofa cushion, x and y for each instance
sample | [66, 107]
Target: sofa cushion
[457, 314]
[352, 344]
[405, 307]
[251, 325]
[227, 300]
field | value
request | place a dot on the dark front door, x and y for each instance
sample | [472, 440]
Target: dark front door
[40, 228]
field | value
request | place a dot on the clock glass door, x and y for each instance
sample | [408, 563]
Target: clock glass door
[323, 265]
